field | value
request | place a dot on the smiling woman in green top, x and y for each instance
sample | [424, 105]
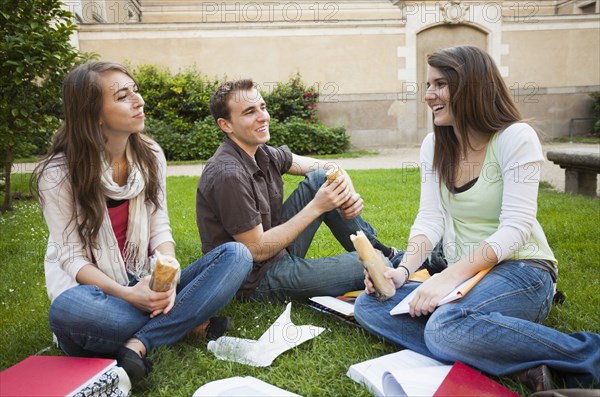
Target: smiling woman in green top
[480, 171]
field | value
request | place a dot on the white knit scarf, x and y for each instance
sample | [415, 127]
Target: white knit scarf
[107, 255]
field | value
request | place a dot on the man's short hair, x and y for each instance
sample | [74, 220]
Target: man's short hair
[219, 100]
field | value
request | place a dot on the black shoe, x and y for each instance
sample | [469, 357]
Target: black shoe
[559, 298]
[217, 327]
[395, 256]
[535, 378]
[136, 367]
[385, 250]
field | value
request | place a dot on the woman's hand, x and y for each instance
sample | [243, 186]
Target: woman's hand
[430, 293]
[172, 296]
[141, 296]
[398, 277]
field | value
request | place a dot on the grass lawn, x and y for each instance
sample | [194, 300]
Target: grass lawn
[317, 367]
[346, 155]
[590, 138]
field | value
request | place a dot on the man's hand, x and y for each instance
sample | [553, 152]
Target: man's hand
[332, 195]
[353, 207]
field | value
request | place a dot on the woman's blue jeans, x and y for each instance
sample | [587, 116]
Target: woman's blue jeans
[494, 328]
[295, 277]
[88, 322]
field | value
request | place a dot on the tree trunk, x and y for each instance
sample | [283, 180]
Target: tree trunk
[8, 162]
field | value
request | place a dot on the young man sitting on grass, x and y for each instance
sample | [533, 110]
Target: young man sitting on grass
[240, 198]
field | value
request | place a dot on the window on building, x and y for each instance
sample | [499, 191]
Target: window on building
[589, 6]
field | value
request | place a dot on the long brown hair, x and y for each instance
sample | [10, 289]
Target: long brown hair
[81, 141]
[479, 100]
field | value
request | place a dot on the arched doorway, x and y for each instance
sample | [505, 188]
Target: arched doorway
[429, 41]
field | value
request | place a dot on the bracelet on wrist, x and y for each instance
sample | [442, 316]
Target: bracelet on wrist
[406, 270]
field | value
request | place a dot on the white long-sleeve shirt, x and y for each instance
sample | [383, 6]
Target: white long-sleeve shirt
[500, 208]
[65, 253]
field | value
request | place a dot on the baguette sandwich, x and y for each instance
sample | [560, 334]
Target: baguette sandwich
[164, 277]
[375, 264]
[333, 173]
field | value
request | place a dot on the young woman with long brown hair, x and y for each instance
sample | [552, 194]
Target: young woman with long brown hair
[103, 192]
[480, 171]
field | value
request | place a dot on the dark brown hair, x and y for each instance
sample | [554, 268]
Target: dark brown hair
[219, 100]
[81, 141]
[479, 99]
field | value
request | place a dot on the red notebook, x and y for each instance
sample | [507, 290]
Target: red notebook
[51, 375]
[464, 381]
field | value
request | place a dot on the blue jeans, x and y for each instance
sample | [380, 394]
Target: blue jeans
[295, 277]
[88, 322]
[494, 328]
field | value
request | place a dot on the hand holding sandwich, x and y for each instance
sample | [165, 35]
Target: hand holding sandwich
[353, 206]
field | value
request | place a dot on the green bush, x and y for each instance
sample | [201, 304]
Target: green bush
[180, 99]
[203, 138]
[292, 99]
[308, 138]
[294, 120]
[199, 141]
[178, 117]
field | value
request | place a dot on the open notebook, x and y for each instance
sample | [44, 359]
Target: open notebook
[458, 293]
[336, 306]
[407, 373]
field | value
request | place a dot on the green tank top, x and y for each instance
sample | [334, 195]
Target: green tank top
[475, 214]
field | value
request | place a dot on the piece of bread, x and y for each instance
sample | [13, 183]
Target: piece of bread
[363, 246]
[333, 173]
[376, 265]
[164, 274]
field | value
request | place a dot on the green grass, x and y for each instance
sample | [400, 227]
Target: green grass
[318, 366]
[30, 159]
[19, 187]
[578, 139]
[346, 155]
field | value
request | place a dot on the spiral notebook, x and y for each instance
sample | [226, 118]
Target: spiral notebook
[342, 309]
[42, 376]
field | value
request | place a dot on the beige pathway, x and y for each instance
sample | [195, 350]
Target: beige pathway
[388, 158]
[409, 157]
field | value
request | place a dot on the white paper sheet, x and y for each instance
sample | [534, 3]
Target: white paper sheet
[281, 336]
[238, 386]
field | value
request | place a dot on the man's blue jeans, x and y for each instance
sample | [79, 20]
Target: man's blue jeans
[294, 276]
[88, 322]
[494, 328]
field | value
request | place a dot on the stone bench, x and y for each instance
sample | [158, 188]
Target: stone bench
[581, 168]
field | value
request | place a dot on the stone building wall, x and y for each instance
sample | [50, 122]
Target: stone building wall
[367, 58]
